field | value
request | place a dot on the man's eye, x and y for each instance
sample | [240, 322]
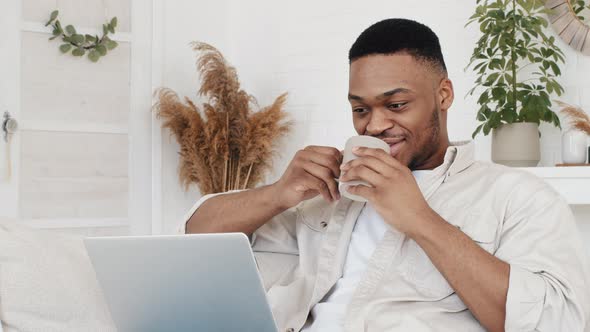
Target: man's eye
[396, 106]
[358, 110]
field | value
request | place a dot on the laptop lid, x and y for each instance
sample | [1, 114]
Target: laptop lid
[202, 282]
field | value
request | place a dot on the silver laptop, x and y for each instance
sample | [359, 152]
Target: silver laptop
[205, 282]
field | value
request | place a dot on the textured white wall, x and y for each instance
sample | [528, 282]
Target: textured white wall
[301, 47]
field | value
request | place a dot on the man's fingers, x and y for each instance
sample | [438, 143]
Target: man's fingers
[327, 150]
[325, 175]
[379, 154]
[362, 190]
[371, 162]
[325, 160]
[319, 185]
[363, 173]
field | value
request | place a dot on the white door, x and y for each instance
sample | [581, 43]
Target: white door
[9, 102]
[78, 157]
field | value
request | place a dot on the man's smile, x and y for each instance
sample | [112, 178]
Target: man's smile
[395, 144]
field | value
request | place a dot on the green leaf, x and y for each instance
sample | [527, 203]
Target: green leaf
[105, 29]
[93, 55]
[495, 120]
[52, 17]
[77, 39]
[494, 42]
[487, 112]
[480, 117]
[477, 130]
[483, 98]
[90, 39]
[78, 51]
[65, 48]
[486, 128]
[110, 28]
[555, 68]
[111, 44]
[495, 64]
[509, 116]
[498, 93]
[491, 79]
[101, 49]
[547, 117]
[477, 66]
[544, 97]
[556, 120]
[70, 30]
[114, 22]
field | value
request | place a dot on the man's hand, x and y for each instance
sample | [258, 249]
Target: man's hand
[311, 172]
[479, 278]
[395, 193]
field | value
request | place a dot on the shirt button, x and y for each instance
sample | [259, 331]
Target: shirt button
[324, 224]
[290, 330]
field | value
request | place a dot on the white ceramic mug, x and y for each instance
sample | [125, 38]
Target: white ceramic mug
[365, 141]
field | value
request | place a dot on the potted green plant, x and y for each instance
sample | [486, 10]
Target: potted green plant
[516, 65]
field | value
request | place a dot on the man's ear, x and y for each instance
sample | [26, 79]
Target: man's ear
[446, 94]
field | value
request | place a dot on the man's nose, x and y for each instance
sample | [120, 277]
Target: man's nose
[378, 123]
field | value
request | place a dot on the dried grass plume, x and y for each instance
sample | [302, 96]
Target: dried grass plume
[578, 118]
[225, 144]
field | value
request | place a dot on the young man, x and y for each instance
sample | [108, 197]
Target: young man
[445, 242]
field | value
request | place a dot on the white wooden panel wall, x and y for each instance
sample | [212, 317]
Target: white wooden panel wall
[75, 123]
[61, 92]
[73, 175]
[86, 13]
[9, 101]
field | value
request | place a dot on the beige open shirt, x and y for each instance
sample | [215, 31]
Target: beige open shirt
[511, 214]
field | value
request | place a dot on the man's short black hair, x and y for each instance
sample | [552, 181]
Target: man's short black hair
[395, 35]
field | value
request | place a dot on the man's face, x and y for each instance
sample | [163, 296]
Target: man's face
[402, 101]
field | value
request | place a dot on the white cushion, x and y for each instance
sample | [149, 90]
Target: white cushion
[47, 283]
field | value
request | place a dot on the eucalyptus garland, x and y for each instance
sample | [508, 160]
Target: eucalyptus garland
[79, 44]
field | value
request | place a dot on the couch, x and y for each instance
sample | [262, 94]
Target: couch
[47, 283]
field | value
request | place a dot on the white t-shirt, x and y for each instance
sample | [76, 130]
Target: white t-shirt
[328, 315]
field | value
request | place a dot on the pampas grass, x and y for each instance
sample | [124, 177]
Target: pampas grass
[578, 118]
[225, 144]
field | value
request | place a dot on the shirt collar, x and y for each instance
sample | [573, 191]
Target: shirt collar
[461, 155]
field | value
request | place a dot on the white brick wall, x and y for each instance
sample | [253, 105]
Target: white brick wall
[302, 47]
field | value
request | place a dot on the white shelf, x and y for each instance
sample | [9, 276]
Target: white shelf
[573, 183]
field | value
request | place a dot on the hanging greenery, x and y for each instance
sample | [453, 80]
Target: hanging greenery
[79, 44]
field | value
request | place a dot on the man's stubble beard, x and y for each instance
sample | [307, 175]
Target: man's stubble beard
[431, 144]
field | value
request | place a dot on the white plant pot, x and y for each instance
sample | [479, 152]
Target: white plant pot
[573, 146]
[516, 145]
